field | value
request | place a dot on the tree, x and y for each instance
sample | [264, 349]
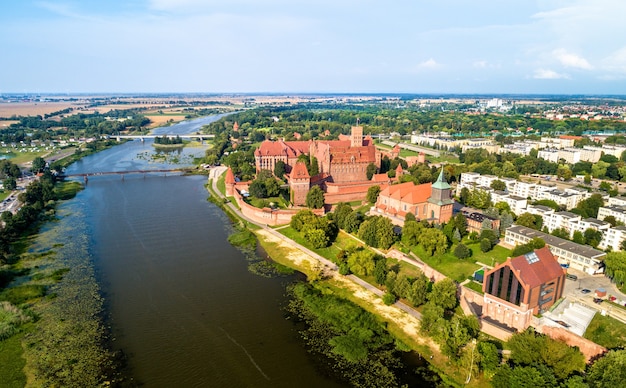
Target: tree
[592, 237]
[528, 220]
[432, 317]
[411, 217]
[608, 371]
[498, 185]
[410, 233]
[362, 262]
[578, 237]
[434, 241]
[372, 194]
[377, 232]
[38, 164]
[9, 183]
[615, 264]
[352, 222]
[257, 189]
[464, 196]
[279, 169]
[370, 171]
[506, 220]
[489, 357]
[272, 187]
[315, 198]
[485, 245]
[560, 233]
[381, 269]
[419, 290]
[444, 294]
[317, 237]
[303, 217]
[462, 251]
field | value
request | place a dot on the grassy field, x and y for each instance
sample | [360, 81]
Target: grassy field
[21, 158]
[343, 241]
[460, 270]
[606, 331]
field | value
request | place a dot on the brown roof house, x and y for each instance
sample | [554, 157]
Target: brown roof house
[521, 287]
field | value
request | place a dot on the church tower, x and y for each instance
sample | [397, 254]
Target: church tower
[440, 202]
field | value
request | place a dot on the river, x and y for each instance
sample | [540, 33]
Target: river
[181, 303]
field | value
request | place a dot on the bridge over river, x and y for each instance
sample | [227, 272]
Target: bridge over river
[86, 175]
[201, 137]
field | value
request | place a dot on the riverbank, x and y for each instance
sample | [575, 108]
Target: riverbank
[404, 326]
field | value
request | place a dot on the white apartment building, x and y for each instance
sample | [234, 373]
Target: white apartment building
[617, 201]
[570, 155]
[619, 212]
[563, 198]
[590, 154]
[549, 154]
[517, 204]
[613, 238]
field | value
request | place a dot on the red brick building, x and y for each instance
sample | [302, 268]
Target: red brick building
[428, 201]
[521, 287]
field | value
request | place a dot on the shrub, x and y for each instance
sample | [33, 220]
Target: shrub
[485, 245]
[389, 298]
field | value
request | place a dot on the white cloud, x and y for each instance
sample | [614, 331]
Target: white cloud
[429, 64]
[571, 60]
[549, 74]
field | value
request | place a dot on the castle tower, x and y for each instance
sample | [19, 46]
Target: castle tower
[440, 202]
[236, 127]
[356, 136]
[399, 171]
[229, 181]
[299, 183]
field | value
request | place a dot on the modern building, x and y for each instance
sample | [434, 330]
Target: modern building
[521, 287]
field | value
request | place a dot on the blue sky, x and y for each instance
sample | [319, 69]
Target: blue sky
[299, 46]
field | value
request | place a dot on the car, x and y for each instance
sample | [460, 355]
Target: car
[571, 277]
[585, 290]
[597, 300]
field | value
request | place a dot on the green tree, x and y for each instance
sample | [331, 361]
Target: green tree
[279, 169]
[608, 371]
[353, 222]
[315, 198]
[485, 245]
[372, 194]
[38, 164]
[434, 241]
[432, 317]
[592, 237]
[380, 270]
[9, 183]
[443, 294]
[578, 237]
[342, 210]
[419, 290]
[411, 217]
[362, 262]
[410, 233]
[615, 266]
[498, 185]
[303, 217]
[272, 187]
[370, 171]
[462, 251]
[489, 356]
[317, 237]
[528, 220]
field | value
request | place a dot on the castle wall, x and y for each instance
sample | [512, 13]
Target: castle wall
[266, 215]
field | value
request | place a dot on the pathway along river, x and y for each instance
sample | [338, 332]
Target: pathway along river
[182, 304]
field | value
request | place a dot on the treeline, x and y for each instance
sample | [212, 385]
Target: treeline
[312, 120]
[80, 125]
[165, 140]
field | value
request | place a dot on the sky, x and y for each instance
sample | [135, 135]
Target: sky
[313, 46]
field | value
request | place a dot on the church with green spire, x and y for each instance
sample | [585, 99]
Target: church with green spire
[428, 201]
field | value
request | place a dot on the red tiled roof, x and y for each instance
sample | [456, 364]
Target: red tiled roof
[299, 171]
[381, 177]
[545, 270]
[408, 192]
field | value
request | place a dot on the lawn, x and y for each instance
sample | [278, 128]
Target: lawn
[21, 158]
[448, 264]
[606, 331]
[472, 285]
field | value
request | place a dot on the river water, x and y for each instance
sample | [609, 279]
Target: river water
[182, 305]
